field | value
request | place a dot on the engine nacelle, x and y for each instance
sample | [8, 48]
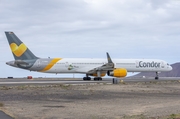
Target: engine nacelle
[120, 72]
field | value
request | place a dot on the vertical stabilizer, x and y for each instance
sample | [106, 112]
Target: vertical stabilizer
[18, 48]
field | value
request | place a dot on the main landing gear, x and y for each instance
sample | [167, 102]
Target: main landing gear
[89, 78]
[97, 79]
[86, 78]
[157, 76]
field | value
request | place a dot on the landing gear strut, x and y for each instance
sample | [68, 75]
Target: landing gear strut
[157, 77]
[87, 78]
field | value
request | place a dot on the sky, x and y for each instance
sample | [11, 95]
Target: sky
[89, 29]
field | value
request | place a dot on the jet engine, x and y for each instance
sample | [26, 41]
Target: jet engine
[120, 72]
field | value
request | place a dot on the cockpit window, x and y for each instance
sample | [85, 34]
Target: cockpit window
[167, 64]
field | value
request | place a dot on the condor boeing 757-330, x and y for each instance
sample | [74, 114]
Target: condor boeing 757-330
[98, 68]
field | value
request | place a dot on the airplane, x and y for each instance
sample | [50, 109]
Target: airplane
[97, 68]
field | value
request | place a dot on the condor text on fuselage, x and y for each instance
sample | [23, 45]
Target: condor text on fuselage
[152, 64]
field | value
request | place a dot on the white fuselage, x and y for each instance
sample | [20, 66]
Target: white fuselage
[72, 65]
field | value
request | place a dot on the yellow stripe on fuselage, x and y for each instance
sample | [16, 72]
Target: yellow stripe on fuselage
[51, 64]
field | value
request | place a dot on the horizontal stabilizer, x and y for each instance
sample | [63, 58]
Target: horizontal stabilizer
[20, 62]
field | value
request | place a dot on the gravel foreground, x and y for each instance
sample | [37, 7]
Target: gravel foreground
[142, 100]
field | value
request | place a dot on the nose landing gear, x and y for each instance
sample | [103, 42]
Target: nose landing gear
[157, 76]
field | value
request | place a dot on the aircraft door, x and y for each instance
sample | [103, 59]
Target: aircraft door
[162, 64]
[137, 64]
[66, 64]
[38, 64]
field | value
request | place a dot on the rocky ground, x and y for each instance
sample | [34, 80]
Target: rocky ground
[153, 100]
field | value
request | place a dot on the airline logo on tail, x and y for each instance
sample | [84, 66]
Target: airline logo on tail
[18, 50]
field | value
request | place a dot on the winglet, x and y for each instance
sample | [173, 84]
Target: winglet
[109, 58]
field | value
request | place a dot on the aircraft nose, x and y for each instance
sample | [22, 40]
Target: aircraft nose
[170, 68]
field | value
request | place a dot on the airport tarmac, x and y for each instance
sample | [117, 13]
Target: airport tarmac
[135, 98]
[45, 81]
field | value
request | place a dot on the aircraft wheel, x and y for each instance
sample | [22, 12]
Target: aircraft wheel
[89, 78]
[156, 78]
[97, 79]
[84, 78]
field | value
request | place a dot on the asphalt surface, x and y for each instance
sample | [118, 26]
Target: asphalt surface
[23, 81]
[45, 81]
[4, 116]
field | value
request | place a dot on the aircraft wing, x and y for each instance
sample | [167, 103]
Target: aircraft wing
[104, 68]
